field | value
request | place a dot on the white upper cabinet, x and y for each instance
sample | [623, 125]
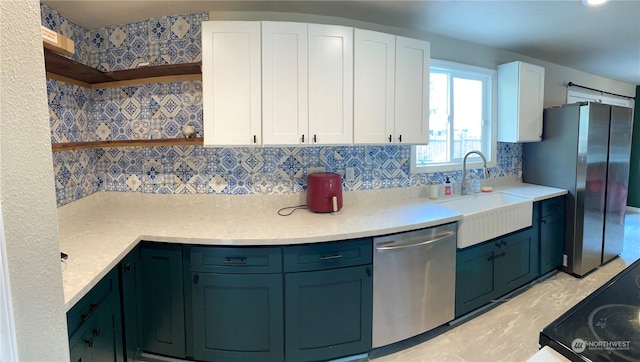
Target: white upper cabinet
[391, 89]
[520, 102]
[284, 83]
[307, 84]
[330, 84]
[231, 83]
[374, 87]
[285, 110]
[412, 91]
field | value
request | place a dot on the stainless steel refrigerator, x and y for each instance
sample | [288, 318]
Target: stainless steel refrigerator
[585, 149]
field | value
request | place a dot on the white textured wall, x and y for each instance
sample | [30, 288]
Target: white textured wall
[27, 189]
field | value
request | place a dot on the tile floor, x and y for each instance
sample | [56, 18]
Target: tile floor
[509, 332]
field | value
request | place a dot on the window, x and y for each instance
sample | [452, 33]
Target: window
[461, 118]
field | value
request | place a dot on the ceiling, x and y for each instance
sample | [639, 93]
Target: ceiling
[603, 41]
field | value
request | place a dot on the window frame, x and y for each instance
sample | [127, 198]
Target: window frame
[490, 131]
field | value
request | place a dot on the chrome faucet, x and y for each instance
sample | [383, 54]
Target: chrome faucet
[463, 187]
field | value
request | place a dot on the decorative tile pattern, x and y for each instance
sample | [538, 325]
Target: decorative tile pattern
[70, 108]
[75, 174]
[117, 37]
[179, 27]
[195, 169]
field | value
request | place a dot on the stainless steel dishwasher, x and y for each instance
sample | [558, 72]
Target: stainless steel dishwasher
[413, 282]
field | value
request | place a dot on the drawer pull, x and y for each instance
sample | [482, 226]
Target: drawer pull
[496, 256]
[331, 257]
[92, 309]
[235, 261]
[96, 332]
[89, 342]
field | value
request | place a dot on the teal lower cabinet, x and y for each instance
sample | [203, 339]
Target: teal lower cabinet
[94, 324]
[515, 260]
[102, 340]
[162, 300]
[243, 308]
[129, 276]
[309, 302]
[489, 270]
[328, 300]
[475, 279]
[237, 304]
[328, 313]
[551, 228]
[237, 317]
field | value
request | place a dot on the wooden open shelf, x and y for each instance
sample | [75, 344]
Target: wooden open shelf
[69, 146]
[69, 71]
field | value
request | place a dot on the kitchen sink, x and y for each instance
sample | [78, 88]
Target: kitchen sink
[489, 215]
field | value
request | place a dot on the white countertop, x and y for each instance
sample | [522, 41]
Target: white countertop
[99, 230]
[546, 354]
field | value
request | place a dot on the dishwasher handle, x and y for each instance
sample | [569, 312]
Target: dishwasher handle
[397, 246]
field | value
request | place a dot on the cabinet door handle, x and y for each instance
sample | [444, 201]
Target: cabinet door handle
[235, 261]
[369, 272]
[96, 332]
[504, 253]
[390, 138]
[315, 139]
[400, 138]
[127, 267]
[255, 139]
[302, 138]
[89, 341]
[491, 257]
[543, 221]
[92, 309]
[330, 257]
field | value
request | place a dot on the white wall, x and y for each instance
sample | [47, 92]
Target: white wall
[27, 188]
[445, 48]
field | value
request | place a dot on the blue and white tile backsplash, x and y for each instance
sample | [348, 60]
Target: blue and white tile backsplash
[160, 110]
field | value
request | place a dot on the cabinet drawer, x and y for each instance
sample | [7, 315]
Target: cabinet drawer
[90, 303]
[236, 259]
[552, 206]
[330, 255]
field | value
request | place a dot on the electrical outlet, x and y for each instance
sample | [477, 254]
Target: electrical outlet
[350, 174]
[315, 170]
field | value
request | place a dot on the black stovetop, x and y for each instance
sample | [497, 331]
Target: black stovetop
[605, 326]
